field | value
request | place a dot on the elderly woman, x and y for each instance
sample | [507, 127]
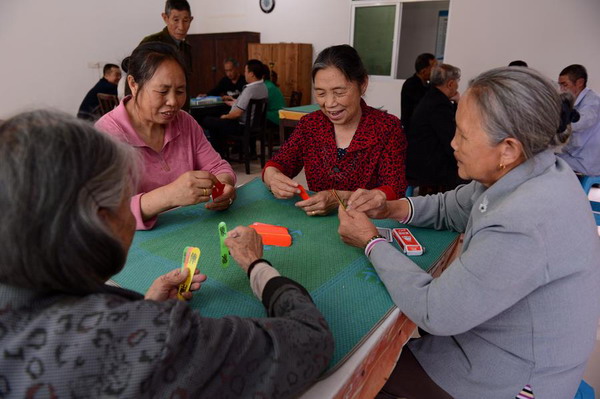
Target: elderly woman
[180, 167]
[345, 146]
[518, 309]
[66, 230]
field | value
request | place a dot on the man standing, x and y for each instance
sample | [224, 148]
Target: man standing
[90, 106]
[430, 162]
[415, 87]
[232, 83]
[582, 151]
[233, 122]
[178, 18]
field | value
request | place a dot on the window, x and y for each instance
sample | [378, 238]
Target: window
[390, 34]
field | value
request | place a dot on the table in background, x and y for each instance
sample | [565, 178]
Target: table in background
[340, 279]
[289, 117]
[199, 112]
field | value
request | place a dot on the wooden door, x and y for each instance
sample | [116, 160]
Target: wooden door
[203, 64]
[209, 50]
[292, 62]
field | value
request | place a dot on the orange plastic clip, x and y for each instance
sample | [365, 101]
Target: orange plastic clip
[273, 235]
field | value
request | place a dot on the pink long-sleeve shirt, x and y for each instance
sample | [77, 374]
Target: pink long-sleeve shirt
[185, 148]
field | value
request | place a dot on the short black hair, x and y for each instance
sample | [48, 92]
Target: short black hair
[180, 5]
[574, 72]
[423, 61]
[232, 60]
[266, 72]
[108, 67]
[520, 63]
[147, 57]
[256, 67]
[346, 59]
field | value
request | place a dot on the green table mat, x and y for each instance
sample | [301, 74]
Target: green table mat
[340, 279]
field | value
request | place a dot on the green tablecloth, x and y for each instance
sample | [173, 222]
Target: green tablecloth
[340, 278]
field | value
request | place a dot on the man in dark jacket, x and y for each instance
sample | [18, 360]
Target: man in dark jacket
[415, 87]
[430, 158]
[90, 106]
[178, 18]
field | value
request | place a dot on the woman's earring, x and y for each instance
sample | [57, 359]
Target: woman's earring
[501, 166]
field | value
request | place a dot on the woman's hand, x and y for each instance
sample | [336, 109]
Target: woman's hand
[321, 203]
[223, 201]
[191, 188]
[280, 185]
[372, 202]
[166, 286]
[245, 246]
[355, 228]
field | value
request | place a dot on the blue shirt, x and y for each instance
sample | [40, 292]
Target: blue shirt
[582, 152]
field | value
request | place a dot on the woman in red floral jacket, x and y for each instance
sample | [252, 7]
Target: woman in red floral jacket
[345, 146]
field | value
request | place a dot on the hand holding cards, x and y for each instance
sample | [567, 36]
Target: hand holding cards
[191, 255]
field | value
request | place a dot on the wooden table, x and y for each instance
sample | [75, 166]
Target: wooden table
[289, 117]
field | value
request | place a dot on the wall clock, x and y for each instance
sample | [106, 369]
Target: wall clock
[267, 5]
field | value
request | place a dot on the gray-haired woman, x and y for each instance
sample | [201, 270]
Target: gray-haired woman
[518, 309]
[66, 229]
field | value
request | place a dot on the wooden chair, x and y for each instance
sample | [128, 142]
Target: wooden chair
[107, 102]
[296, 99]
[254, 128]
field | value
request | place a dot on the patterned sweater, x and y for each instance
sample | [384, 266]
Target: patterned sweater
[114, 344]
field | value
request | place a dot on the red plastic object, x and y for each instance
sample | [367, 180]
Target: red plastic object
[303, 193]
[218, 189]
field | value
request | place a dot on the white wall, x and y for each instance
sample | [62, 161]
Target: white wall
[547, 34]
[46, 46]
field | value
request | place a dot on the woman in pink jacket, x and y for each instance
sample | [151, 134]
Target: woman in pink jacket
[179, 166]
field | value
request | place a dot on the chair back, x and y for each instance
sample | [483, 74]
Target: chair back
[256, 117]
[296, 99]
[588, 181]
[107, 102]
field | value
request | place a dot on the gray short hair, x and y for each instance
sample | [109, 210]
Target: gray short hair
[56, 173]
[523, 104]
[442, 73]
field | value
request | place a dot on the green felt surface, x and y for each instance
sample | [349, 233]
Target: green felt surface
[303, 108]
[340, 278]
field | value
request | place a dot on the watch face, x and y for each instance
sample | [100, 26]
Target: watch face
[267, 5]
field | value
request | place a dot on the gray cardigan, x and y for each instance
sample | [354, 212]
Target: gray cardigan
[117, 345]
[520, 305]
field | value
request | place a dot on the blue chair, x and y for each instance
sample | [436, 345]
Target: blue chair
[596, 209]
[588, 181]
[585, 391]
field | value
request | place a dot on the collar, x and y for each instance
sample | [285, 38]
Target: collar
[17, 297]
[364, 137]
[130, 135]
[254, 83]
[581, 96]
[507, 184]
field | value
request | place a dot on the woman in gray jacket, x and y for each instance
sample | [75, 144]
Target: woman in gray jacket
[66, 229]
[518, 309]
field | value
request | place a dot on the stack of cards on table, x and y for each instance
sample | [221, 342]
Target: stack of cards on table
[407, 242]
[273, 235]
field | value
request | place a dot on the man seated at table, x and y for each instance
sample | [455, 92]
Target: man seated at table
[232, 84]
[233, 122]
[90, 106]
